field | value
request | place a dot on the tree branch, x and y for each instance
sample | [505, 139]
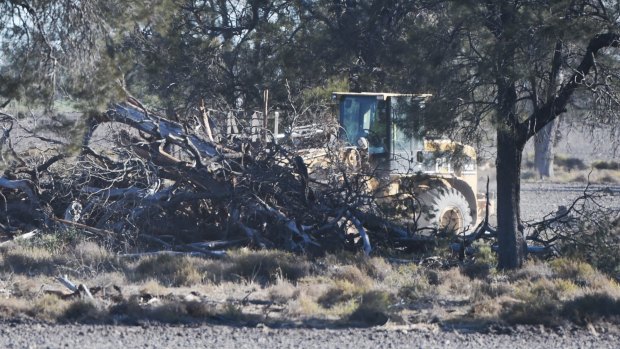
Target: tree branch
[557, 105]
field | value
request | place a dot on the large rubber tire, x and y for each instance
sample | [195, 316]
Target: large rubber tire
[444, 209]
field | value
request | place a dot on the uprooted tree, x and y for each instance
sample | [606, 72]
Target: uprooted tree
[197, 189]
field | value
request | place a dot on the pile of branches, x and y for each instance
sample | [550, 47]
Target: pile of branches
[587, 229]
[159, 184]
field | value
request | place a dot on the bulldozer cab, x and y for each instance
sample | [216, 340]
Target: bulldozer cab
[389, 127]
[388, 124]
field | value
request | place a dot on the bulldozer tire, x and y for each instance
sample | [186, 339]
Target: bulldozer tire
[445, 209]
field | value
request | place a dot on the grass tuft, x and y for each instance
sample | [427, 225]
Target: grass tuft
[606, 165]
[170, 270]
[82, 311]
[592, 307]
[267, 266]
[30, 260]
[373, 309]
[283, 292]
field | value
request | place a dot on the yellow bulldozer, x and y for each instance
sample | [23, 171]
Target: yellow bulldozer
[435, 179]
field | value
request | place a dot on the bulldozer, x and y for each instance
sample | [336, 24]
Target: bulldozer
[435, 178]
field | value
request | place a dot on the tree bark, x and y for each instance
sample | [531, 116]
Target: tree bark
[510, 235]
[510, 142]
[544, 151]
[544, 140]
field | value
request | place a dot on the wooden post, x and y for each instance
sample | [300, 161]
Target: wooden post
[205, 120]
[255, 127]
[266, 99]
[276, 126]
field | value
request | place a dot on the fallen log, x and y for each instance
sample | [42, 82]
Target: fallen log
[217, 254]
[160, 128]
[22, 237]
[100, 232]
[22, 185]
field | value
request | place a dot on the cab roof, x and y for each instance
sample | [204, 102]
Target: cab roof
[380, 95]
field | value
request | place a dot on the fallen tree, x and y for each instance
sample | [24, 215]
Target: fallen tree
[195, 189]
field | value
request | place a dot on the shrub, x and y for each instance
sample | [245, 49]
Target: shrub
[341, 291]
[282, 292]
[537, 303]
[415, 291]
[579, 272]
[49, 308]
[591, 307]
[92, 258]
[597, 244]
[453, 282]
[267, 266]
[351, 274]
[375, 267]
[569, 163]
[31, 261]
[170, 270]
[532, 270]
[372, 309]
[483, 263]
[606, 165]
[82, 311]
[411, 281]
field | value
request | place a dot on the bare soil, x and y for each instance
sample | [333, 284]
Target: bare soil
[541, 198]
[25, 335]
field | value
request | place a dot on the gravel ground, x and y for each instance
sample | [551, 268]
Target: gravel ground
[541, 198]
[86, 336]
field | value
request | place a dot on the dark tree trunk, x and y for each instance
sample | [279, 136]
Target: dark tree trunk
[510, 235]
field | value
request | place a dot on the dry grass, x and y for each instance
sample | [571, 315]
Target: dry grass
[342, 288]
[551, 293]
[568, 169]
[30, 260]
[373, 308]
[171, 270]
[266, 266]
[11, 308]
[283, 292]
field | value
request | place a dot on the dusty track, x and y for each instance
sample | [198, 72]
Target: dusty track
[541, 198]
[87, 336]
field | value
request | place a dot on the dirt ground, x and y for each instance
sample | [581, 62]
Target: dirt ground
[19, 335]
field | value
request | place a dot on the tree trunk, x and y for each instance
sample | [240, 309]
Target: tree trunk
[543, 149]
[510, 235]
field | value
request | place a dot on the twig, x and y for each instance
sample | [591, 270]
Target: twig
[101, 232]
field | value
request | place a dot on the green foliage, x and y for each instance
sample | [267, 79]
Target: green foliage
[483, 263]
